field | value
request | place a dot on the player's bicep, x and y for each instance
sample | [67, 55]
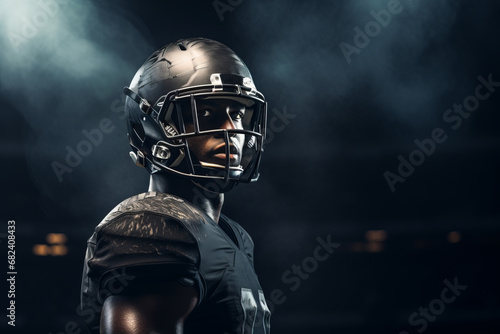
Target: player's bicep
[159, 309]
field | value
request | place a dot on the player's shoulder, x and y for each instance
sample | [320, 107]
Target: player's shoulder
[140, 211]
[151, 235]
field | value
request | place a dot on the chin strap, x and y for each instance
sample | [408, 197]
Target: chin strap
[144, 104]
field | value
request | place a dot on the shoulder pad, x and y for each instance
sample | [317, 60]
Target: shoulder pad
[147, 229]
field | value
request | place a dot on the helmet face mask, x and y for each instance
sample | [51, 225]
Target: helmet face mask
[209, 131]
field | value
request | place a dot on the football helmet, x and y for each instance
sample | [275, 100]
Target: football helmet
[166, 100]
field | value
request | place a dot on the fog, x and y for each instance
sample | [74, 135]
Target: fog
[62, 67]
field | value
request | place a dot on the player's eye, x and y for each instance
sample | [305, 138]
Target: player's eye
[237, 115]
[204, 113]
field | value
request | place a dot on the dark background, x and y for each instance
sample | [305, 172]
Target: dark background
[323, 170]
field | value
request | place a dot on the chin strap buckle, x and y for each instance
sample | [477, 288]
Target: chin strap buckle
[144, 105]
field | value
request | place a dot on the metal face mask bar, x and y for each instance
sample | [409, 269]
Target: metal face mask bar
[178, 113]
[235, 120]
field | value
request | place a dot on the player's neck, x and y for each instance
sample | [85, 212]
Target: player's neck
[208, 201]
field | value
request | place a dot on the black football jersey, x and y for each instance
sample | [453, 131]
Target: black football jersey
[154, 237]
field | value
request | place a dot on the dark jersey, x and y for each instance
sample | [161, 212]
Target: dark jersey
[155, 237]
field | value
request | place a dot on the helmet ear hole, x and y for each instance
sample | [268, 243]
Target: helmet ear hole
[139, 131]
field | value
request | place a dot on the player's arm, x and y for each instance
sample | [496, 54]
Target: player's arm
[159, 309]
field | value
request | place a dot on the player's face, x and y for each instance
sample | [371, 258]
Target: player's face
[218, 114]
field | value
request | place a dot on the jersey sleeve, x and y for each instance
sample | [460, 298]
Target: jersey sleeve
[135, 249]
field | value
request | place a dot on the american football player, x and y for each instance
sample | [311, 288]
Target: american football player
[167, 260]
